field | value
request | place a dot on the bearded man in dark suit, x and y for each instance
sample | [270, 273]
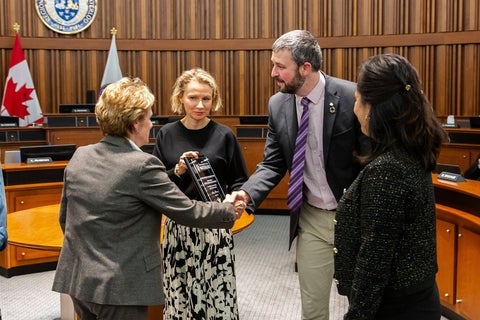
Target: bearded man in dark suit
[333, 137]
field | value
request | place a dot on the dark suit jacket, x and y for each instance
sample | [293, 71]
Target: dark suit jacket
[110, 213]
[341, 136]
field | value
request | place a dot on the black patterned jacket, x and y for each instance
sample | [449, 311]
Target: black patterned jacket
[385, 233]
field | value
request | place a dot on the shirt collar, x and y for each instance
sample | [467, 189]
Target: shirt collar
[134, 146]
[317, 92]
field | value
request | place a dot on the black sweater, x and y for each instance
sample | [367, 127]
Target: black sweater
[216, 141]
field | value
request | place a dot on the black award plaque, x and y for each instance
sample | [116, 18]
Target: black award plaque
[205, 179]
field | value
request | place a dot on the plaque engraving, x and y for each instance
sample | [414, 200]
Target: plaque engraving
[205, 179]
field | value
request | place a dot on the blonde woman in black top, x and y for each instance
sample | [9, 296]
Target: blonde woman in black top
[199, 273]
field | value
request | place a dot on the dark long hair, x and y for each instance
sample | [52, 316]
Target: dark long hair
[400, 113]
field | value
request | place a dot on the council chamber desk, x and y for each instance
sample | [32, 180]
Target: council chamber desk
[458, 247]
[38, 228]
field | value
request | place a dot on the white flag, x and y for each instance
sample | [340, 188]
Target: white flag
[19, 98]
[112, 71]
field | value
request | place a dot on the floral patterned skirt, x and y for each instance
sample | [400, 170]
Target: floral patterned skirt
[199, 274]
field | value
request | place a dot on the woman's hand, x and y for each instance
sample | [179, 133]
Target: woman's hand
[181, 167]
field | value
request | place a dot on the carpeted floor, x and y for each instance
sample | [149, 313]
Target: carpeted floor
[267, 284]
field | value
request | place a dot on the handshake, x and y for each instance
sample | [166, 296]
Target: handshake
[239, 200]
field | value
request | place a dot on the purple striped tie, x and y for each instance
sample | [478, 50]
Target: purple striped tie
[295, 187]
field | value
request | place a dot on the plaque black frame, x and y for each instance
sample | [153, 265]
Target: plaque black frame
[205, 179]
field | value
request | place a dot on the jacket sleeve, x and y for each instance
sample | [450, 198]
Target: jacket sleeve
[159, 192]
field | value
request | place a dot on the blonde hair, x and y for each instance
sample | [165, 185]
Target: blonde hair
[121, 104]
[201, 76]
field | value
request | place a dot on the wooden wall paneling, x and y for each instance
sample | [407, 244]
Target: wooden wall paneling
[163, 28]
[338, 23]
[457, 63]
[440, 99]
[253, 80]
[3, 26]
[94, 68]
[233, 87]
[421, 12]
[416, 56]
[70, 65]
[145, 69]
[470, 73]
[166, 72]
[263, 17]
[364, 11]
[446, 13]
[242, 80]
[11, 13]
[452, 65]
[263, 84]
[160, 39]
[289, 16]
[147, 10]
[54, 81]
[429, 81]
[471, 15]
[43, 76]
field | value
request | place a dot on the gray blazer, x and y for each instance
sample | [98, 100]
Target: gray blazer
[110, 213]
[341, 136]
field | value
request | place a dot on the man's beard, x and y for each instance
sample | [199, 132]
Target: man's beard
[293, 86]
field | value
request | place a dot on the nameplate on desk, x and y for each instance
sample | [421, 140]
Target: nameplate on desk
[39, 160]
[9, 124]
[450, 125]
[456, 177]
[80, 110]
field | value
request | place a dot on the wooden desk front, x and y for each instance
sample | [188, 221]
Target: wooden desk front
[29, 186]
[458, 243]
[39, 228]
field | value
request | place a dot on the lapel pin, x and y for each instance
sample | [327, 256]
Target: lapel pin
[332, 108]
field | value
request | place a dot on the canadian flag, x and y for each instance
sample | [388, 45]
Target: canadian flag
[19, 98]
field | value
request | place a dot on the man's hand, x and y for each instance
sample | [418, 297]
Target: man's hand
[238, 205]
[240, 195]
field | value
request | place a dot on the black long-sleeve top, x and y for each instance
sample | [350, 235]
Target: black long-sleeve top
[215, 140]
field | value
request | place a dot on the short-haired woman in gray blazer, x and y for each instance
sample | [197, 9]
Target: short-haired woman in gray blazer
[112, 203]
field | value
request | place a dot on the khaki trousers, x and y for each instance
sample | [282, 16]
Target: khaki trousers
[315, 261]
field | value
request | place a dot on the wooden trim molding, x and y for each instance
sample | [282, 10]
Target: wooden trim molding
[376, 41]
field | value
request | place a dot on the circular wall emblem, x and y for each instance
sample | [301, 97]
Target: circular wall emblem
[67, 16]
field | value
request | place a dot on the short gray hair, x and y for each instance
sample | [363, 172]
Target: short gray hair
[302, 45]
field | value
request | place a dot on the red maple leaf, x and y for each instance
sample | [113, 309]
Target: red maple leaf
[14, 101]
